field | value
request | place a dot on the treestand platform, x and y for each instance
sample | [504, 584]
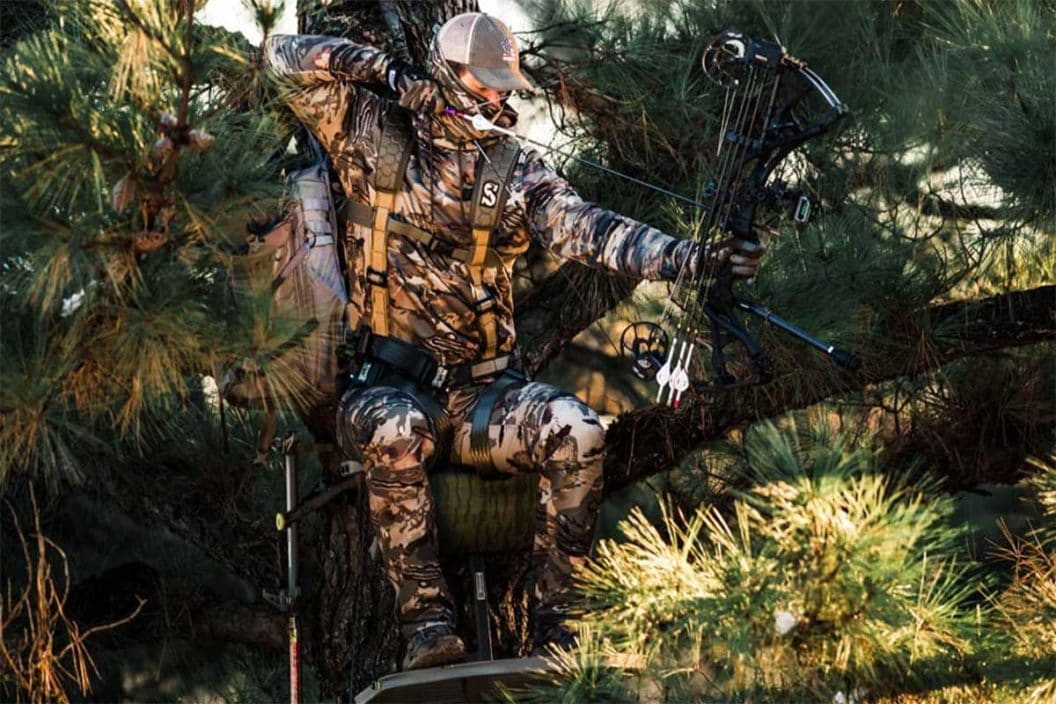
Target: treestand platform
[464, 682]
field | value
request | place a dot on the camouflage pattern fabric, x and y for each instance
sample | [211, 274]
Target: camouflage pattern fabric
[394, 439]
[563, 440]
[531, 431]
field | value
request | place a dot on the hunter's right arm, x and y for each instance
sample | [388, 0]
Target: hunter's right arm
[311, 59]
[318, 76]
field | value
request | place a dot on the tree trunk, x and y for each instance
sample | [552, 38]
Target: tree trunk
[353, 636]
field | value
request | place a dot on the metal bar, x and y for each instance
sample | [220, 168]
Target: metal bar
[480, 607]
[292, 535]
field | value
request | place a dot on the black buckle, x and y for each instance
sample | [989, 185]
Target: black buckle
[361, 341]
[377, 278]
[484, 304]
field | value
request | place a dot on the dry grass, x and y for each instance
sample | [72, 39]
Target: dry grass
[44, 652]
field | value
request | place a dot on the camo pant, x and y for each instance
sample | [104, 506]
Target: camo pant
[559, 438]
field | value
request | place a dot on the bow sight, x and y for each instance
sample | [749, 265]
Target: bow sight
[773, 104]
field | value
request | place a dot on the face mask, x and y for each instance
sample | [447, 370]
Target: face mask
[462, 99]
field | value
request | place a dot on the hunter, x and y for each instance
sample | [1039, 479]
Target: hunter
[437, 213]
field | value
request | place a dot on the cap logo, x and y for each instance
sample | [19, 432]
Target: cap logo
[507, 49]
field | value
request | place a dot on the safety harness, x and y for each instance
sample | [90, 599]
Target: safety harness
[389, 361]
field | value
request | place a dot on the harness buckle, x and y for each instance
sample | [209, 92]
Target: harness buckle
[364, 373]
[440, 377]
[484, 305]
[377, 278]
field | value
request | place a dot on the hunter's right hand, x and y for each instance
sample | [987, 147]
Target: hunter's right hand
[418, 92]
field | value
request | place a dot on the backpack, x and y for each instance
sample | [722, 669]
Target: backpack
[306, 285]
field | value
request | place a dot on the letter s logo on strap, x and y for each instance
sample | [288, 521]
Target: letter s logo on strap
[490, 195]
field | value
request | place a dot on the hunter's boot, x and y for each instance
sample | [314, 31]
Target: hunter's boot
[433, 645]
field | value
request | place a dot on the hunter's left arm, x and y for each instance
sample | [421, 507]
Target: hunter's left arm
[574, 229]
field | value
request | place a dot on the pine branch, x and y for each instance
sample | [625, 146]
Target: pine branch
[545, 321]
[645, 442]
[152, 34]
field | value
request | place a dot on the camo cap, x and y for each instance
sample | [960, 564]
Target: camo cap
[486, 47]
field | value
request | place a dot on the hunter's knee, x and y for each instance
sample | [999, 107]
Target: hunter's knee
[385, 427]
[572, 434]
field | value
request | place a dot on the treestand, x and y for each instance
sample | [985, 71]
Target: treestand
[476, 518]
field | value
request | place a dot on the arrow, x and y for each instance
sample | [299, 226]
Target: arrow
[483, 124]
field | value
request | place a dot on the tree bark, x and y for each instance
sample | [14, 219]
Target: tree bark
[545, 321]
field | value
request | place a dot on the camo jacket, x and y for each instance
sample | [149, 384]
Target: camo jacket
[328, 84]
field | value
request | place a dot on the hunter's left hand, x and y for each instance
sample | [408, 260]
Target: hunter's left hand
[742, 255]
[745, 257]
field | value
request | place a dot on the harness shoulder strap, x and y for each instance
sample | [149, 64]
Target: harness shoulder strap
[393, 152]
[494, 172]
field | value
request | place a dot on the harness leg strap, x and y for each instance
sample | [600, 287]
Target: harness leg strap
[480, 455]
[479, 440]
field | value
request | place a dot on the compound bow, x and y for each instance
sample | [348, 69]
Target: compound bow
[765, 117]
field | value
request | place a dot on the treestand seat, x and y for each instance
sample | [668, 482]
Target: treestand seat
[479, 515]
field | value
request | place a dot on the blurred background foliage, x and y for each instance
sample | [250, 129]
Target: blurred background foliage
[893, 545]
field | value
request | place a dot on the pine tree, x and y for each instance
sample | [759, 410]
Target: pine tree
[828, 575]
[829, 579]
[127, 184]
[136, 145]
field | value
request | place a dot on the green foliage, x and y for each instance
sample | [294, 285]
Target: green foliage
[830, 576]
[999, 58]
[934, 186]
[1044, 483]
[1026, 608]
[980, 419]
[127, 181]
